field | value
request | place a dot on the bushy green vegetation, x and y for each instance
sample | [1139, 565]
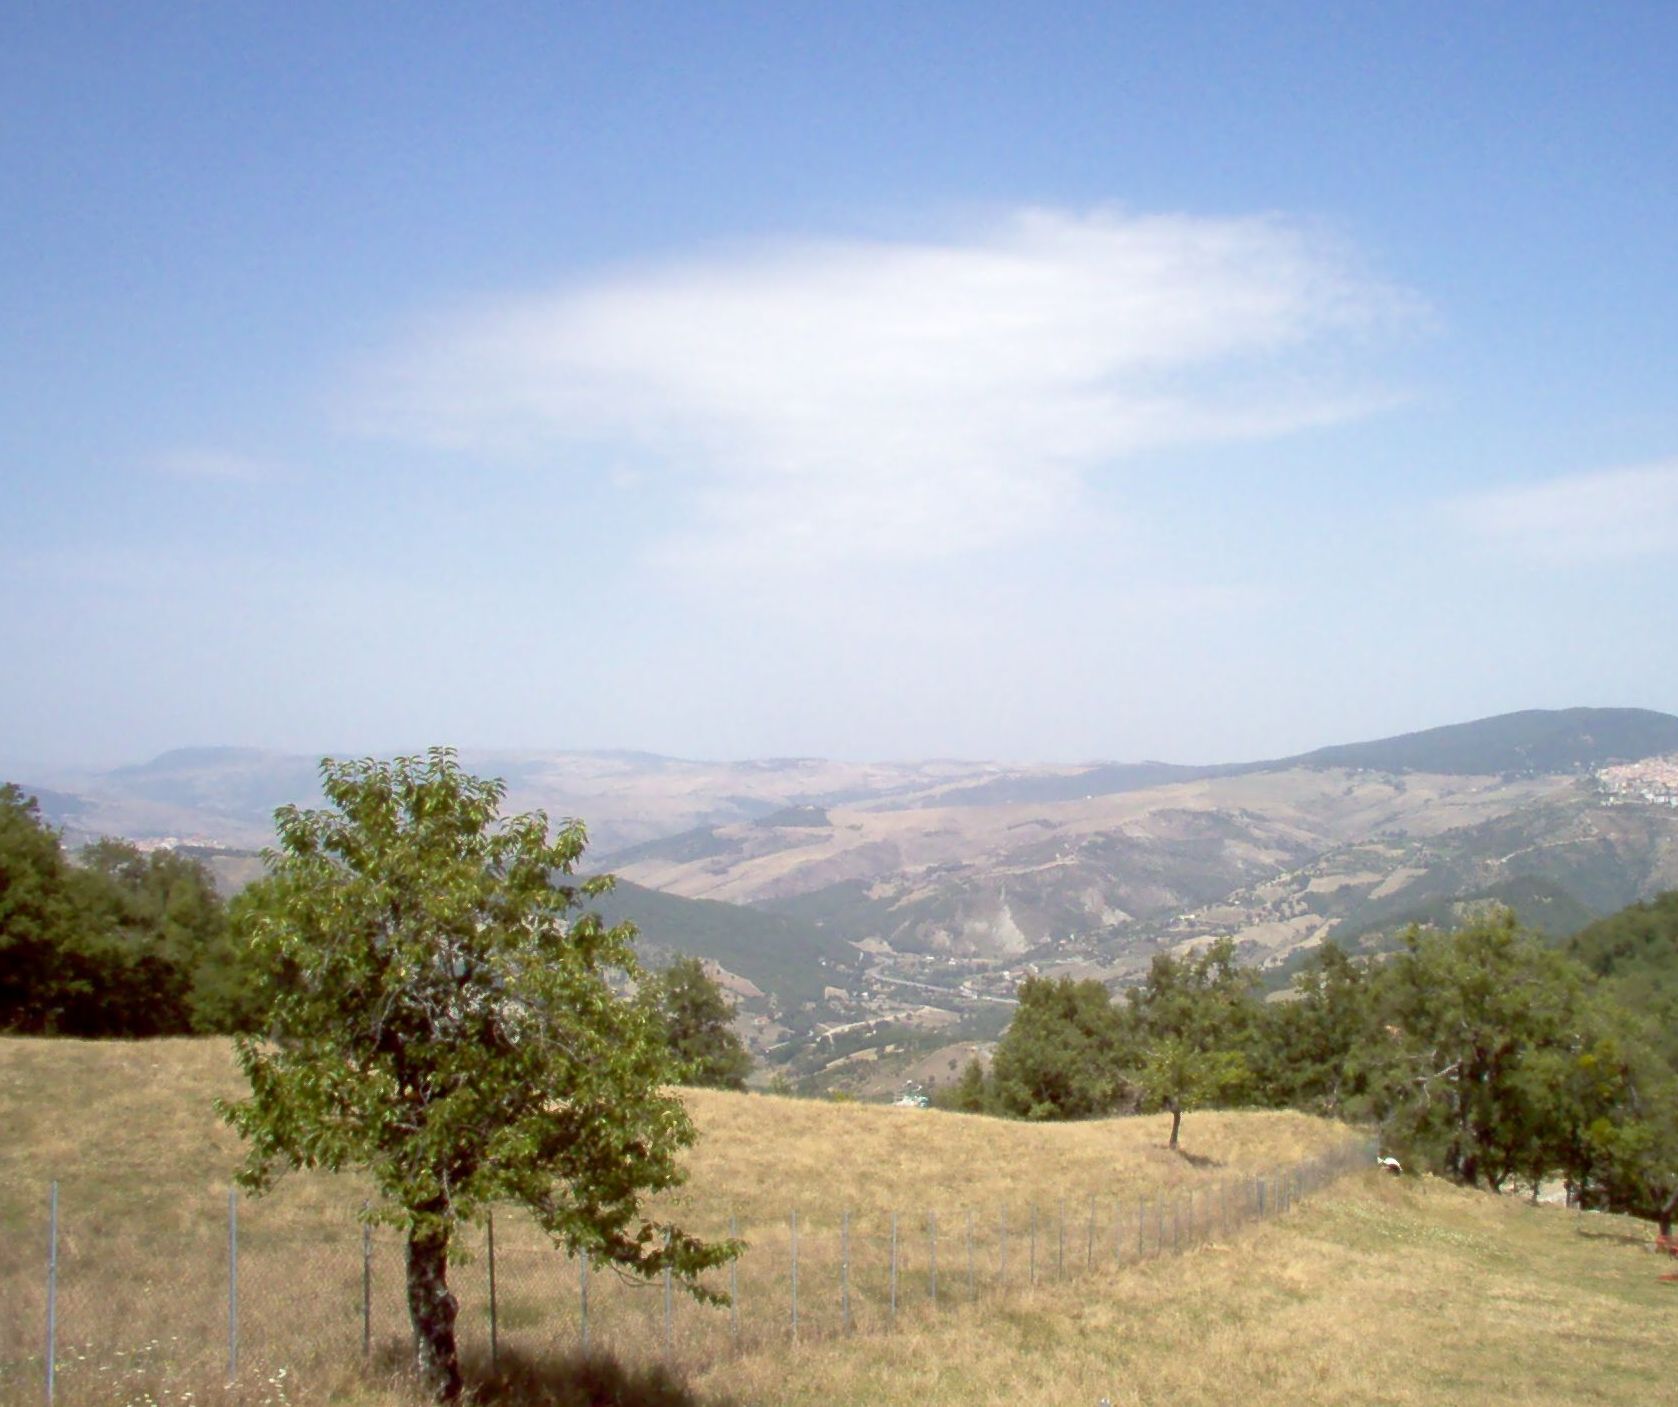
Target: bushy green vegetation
[120, 944]
[698, 1029]
[1635, 953]
[1482, 1052]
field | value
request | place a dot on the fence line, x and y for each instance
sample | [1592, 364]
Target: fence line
[122, 1306]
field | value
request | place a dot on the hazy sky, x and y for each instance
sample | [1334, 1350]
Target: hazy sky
[1030, 381]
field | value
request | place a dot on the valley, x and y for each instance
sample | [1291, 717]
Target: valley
[872, 918]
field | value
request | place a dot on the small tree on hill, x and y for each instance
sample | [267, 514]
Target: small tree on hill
[1188, 1031]
[698, 1024]
[441, 1020]
[1175, 1076]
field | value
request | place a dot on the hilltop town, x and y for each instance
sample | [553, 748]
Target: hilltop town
[1653, 780]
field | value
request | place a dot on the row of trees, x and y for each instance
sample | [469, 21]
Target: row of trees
[120, 943]
[1481, 1052]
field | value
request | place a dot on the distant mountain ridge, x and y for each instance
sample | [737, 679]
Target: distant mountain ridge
[1531, 741]
[227, 795]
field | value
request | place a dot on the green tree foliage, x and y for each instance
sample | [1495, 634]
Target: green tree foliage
[699, 1026]
[123, 944]
[1059, 1058]
[1175, 1076]
[1635, 953]
[49, 976]
[1481, 1052]
[1467, 1014]
[1315, 1045]
[1188, 1032]
[970, 1094]
[443, 1020]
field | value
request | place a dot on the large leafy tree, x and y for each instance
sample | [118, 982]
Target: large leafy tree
[443, 1018]
[1059, 1058]
[1477, 1019]
[49, 976]
[699, 1026]
[1317, 1043]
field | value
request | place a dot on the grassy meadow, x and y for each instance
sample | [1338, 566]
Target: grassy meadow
[1042, 1244]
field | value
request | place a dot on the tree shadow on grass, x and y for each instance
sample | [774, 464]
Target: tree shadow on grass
[1197, 1160]
[575, 1380]
[1625, 1238]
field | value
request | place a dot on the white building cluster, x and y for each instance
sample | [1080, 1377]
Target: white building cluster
[1653, 781]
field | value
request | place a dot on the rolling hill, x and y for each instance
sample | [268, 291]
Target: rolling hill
[1338, 1300]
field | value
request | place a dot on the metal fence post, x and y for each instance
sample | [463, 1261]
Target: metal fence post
[894, 1269]
[495, 1345]
[1002, 1273]
[845, 1271]
[1141, 1225]
[932, 1231]
[1032, 1264]
[734, 1283]
[972, 1284]
[52, 1293]
[669, 1299]
[1060, 1240]
[1089, 1246]
[366, 1289]
[795, 1277]
[582, 1295]
[232, 1283]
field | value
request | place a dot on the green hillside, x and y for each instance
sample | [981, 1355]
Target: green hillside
[782, 954]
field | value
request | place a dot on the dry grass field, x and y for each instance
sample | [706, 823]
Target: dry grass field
[1050, 1286]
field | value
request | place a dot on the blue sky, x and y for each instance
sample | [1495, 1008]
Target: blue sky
[1023, 381]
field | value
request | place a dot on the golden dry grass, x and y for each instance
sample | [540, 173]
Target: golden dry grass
[1375, 1291]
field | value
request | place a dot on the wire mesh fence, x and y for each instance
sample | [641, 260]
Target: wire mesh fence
[100, 1307]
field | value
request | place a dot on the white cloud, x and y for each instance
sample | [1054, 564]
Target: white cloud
[816, 402]
[1604, 515]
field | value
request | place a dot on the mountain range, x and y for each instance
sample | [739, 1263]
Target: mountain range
[839, 897]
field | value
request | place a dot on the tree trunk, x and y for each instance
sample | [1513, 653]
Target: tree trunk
[1176, 1121]
[431, 1310]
